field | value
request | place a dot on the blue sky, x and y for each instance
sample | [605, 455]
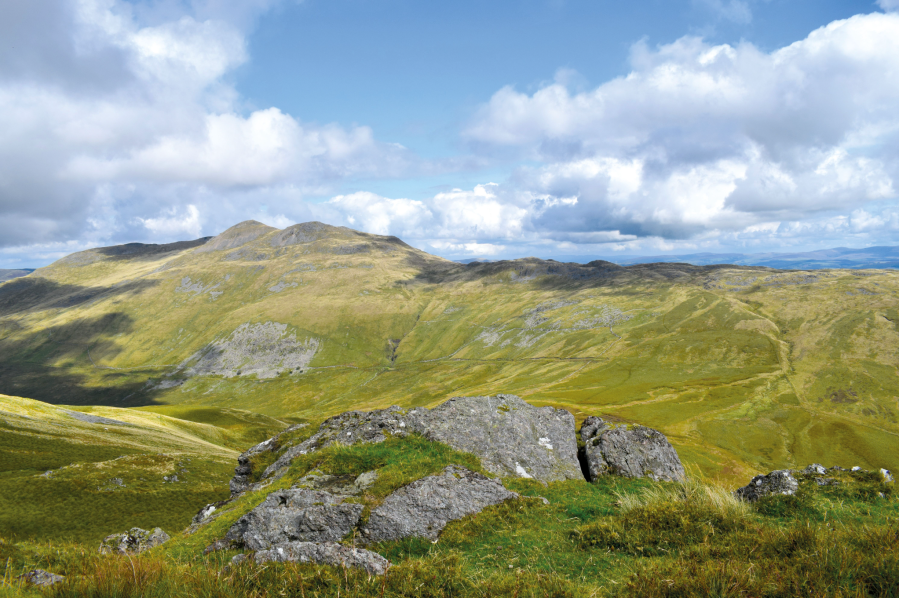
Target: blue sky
[469, 129]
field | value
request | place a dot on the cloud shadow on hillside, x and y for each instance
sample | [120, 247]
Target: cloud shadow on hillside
[34, 293]
[28, 368]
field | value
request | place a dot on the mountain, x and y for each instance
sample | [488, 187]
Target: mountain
[838, 257]
[10, 274]
[744, 368]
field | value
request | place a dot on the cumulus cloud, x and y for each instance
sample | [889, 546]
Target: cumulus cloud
[700, 138]
[888, 5]
[118, 119]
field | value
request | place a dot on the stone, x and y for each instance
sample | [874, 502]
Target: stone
[887, 476]
[41, 578]
[243, 473]
[631, 452]
[511, 437]
[133, 541]
[424, 507]
[347, 429]
[780, 482]
[296, 514]
[815, 469]
[324, 553]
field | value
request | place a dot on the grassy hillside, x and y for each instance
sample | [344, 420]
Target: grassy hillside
[84, 473]
[616, 538]
[745, 369]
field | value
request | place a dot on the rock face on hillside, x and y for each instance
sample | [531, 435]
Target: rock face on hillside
[631, 452]
[777, 482]
[133, 541]
[329, 553]
[424, 507]
[296, 514]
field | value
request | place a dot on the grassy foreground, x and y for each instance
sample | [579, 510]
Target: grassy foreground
[615, 538]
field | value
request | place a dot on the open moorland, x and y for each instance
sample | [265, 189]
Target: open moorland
[149, 368]
[745, 369]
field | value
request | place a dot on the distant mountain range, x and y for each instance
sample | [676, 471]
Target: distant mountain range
[838, 257]
[10, 274]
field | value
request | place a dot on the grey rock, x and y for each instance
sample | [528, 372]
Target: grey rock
[244, 471]
[509, 436]
[780, 482]
[887, 476]
[827, 482]
[350, 428]
[815, 469]
[424, 507]
[295, 514]
[133, 541]
[631, 452]
[326, 553]
[41, 578]
[238, 559]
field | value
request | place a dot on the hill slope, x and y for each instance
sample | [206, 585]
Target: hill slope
[82, 474]
[745, 369]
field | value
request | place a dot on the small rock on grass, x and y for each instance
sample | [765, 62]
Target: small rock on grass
[133, 541]
[777, 482]
[324, 553]
[39, 577]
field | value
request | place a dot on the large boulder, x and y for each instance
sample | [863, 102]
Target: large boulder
[324, 553]
[780, 482]
[424, 507]
[296, 514]
[512, 438]
[133, 541]
[632, 452]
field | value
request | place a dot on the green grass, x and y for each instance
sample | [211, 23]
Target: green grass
[615, 538]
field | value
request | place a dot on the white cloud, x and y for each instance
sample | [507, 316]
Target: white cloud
[888, 5]
[702, 139]
[149, 125]
[174, 224]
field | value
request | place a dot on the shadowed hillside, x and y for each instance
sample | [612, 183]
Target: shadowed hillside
[744, 368]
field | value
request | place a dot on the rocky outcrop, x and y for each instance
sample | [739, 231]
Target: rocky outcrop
[509, 436]
[512, 438]
[296, 514]
[327, 553]
[350, 428]
[134, 541]
[41, 578]
[780, 482]
[632, 452]
[243, 473]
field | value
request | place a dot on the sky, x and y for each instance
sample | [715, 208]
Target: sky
[502, 129]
